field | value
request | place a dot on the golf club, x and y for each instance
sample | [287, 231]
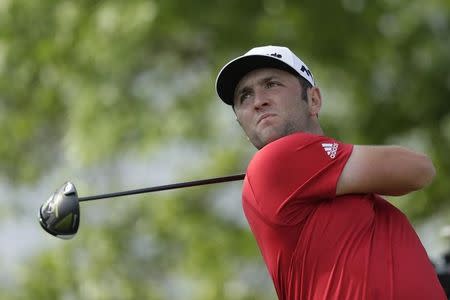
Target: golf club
[60, 214]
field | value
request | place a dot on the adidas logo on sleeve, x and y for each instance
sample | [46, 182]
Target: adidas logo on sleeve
[330, 149]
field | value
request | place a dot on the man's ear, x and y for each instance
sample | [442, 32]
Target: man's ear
[314, 101]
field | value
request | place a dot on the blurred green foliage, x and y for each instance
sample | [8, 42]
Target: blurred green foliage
[82, 82]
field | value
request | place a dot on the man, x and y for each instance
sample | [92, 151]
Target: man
[313, 202]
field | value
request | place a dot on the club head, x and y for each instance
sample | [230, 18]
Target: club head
[60, 214]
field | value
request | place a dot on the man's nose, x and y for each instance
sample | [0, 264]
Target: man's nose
[261, 99]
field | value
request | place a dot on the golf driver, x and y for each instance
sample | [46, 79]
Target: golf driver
[60, 214]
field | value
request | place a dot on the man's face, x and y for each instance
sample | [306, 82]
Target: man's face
[268, 106]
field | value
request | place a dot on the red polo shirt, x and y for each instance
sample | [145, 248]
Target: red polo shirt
[317, 245]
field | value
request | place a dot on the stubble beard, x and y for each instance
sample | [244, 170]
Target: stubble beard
[300, 124]
[286, 129]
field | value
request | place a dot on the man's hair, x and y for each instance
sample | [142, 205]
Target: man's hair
[305, 84]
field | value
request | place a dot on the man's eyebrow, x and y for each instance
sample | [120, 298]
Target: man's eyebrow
[243, 89]
[267, 79]
[263, 80]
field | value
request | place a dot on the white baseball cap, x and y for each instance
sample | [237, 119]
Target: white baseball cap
[259, 57]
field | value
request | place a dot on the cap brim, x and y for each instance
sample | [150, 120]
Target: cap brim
[232, 73]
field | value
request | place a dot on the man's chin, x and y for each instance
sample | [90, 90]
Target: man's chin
[269, 138]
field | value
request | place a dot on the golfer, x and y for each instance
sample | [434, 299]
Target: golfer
[315, 204]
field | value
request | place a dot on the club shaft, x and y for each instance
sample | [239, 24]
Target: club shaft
[165, 187]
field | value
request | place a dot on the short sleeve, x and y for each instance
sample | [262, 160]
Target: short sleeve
[289, 176]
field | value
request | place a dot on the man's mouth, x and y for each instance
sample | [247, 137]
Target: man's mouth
[264, 116]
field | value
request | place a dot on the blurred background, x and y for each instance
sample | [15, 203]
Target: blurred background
[116, 95]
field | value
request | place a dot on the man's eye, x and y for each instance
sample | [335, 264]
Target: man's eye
[244, 96]
[271, 84]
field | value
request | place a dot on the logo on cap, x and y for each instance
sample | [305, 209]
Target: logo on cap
[276, 55]
[305, 69]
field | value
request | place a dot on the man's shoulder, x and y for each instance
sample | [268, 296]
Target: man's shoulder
[290, 144]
